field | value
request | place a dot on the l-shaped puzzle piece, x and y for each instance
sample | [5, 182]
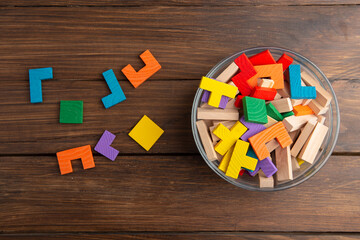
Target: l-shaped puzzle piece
[297, 91]
[103, 146]
[35, 78]
[117, 95]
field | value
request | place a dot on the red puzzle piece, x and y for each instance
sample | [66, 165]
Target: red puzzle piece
[285, 60]
[246, 71]
[264, 93]
[238, 101]
[262, 58]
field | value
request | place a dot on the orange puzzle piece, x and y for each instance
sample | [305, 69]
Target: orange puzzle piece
[150, 68]
[277, 131]
[300, 110]
[272, 71]
[65, 157]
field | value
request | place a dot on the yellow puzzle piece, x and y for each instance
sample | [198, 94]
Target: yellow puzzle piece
[146, 133]
[217, 89]
[226, 159]
[228, 137]
[239, 160]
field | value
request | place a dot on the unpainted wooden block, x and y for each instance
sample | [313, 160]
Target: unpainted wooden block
[218, 114]
[323, 97]
[306, 102]
[295, 164]
[277, 96]
[270, 122]
[296, 102]
[285, 91]
[206, 140]
[294, 123]
[321, 119]
[65, 158]
[282, 105]
[265, 82]
[304, 135]
[283, 164]
[228, 137]
[265, 182]
[228, 73]
[311, 148]
[150, 68]
[317, 108]
[259, 140]
[272, 145]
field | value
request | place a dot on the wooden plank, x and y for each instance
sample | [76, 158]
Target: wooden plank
[168, 193]
[181, 38]
[36, 129]
[122, 3]
[185, 236]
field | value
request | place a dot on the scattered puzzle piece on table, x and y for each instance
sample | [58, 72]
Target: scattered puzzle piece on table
[301, 110]
[146, 133]
[35, 78]
[117, 95]
[217, 89]
[253, 128]
[239, 159]
[226, 159]
[262, 58]
[273, 112]
[150, 68]
[285, 60]
[259, 140]
[228, 137]
[254, 110]
[65, 157]
[266, 165]
[71, 112]
[103, 146]
[274, 71]
[246, 71]
[264, 93]
[297, 91]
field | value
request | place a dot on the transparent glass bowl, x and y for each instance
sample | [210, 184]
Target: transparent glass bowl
[306, 170]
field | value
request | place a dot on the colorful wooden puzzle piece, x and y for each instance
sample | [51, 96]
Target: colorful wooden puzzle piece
[285, 60]
[287, 114]
[146, 133]
[217, 89]
[65, 157]
[259, 140]
[228, 137]
[246, 71]
[117, 95]
[253, 128]
[223, 102]
[150, 68]
[273, 112]
[226, 159]
[254, 110]
[266, 165]
[301, 110]
[262, 58]
[239, 159]
[35, 78]
[297, 91]
[264, 93]
[71, 112]
[103, 146]
[273, 71]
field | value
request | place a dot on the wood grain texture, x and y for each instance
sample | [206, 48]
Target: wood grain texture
[122, 3]
[31, 129]
[80, 43]
[183, 236]
[169, 193]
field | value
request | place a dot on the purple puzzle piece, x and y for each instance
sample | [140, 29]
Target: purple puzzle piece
[267, 166]
[224, 100]
[103, 146]
[253, 128]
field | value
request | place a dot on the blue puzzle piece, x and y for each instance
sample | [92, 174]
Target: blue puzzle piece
[297, 91]
[117, 95]
[35, 77]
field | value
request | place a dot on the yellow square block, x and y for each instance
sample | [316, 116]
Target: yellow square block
[146, 133]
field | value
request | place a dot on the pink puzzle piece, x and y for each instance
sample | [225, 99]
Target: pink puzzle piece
[103, 146]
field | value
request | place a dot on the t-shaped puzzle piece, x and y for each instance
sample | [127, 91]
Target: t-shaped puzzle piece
[217, 89]
[65, 157]
[228, 137]
[35, 78]
[103, 146]
[151, 67]
[117, 95]
[277, 131]
[239, 159]
[297, 91]
[266, 165]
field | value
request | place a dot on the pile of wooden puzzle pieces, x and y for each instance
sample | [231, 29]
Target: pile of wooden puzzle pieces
[145, 132]
[282, 120]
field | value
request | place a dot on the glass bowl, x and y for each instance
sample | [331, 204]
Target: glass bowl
[332, 121]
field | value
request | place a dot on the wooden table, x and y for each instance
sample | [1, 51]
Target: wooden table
[168, 192]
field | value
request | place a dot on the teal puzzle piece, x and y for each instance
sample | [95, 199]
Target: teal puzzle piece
[35, 78]
[296, 90]
[117, 95]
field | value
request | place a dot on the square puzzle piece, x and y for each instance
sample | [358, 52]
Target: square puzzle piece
[71, 111]
[146, 133]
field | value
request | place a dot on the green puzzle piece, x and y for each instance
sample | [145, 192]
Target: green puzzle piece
[273, 112]
[254, 110]
[287, 114]
[71, 111]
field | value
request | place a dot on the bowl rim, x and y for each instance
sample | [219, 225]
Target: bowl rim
[242, 185]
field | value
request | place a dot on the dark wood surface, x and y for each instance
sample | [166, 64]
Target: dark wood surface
[168, 192]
